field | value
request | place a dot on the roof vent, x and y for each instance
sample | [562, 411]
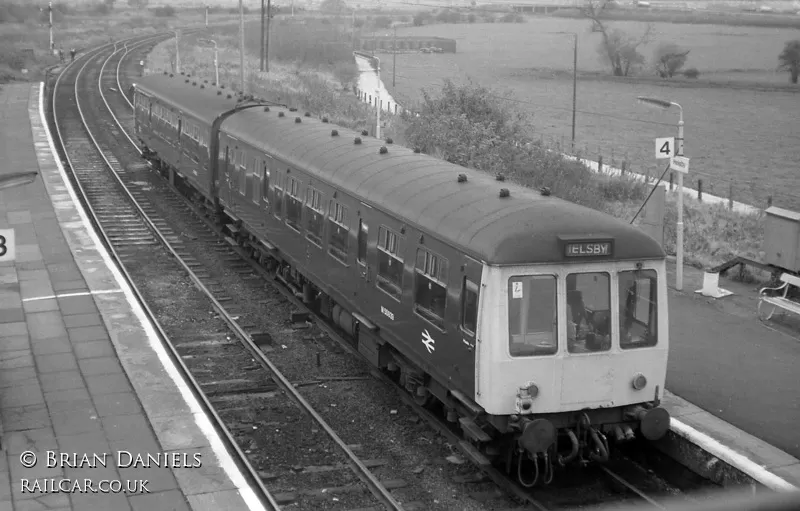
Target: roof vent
[298, 120]
[293, 109]
[205, 81]
[308, 114]
[194, 83]
[357, 140]
[202, 86]
[266, 109]
[383, 150]
[417, 150]
[214, 84]
[171, 75]
[504, 193]
[166, 72]
[187, 80]
[389, 140]
[545, 191]
[462, 178]
[334, 133]
[219, 93]
[364, 132]
[325, 120]
[221, 86]
[281, 114]
[500, 177]
[182, 73]
[229, 96]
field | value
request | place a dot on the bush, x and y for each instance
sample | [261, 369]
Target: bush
[382, 22]
[471, 18]
[164, 11]
[692, 72]
[422, 18]
[99, 9]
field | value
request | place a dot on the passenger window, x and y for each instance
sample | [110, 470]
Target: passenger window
[390, 263]
[294, 205]
[588, 312]
[469, 306]
[265, 180]
[363, 232]
[532, 315]
[243, 171]
[430, 287]
[638, 302]
[278, 196]
[316, 217]
[337, 217]
[255, 184]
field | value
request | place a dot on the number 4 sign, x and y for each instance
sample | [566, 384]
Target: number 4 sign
[665, 147]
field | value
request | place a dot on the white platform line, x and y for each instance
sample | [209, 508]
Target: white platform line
[69, 295]
[731, 457]
[204, 423]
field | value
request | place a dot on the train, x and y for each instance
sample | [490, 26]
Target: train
[537, 326]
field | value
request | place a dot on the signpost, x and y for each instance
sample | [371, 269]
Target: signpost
[679, 164]
[7, 249]
[665, 148]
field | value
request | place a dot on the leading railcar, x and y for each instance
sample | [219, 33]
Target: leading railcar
[539, 325]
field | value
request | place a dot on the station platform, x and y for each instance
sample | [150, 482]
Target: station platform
[81, 369]
[740, 374]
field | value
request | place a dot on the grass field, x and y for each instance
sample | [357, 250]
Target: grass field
[737, 134]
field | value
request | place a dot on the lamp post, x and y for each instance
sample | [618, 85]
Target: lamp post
[574, 78]
[177, 52]
[241, 43]
[663, 104]
[378, 99]
[216, 59]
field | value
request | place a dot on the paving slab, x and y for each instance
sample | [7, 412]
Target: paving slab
[82, 376]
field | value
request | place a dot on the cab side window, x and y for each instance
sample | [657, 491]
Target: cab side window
[469, 306]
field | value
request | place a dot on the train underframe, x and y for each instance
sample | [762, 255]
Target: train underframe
[527, 446]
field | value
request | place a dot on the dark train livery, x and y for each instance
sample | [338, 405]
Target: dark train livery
[537, 323]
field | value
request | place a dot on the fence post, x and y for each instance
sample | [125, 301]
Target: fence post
[612, 156]
[730, 195]
[700, 190]
[600, 164]
[624, 166]
[671, 177]
[769, 201]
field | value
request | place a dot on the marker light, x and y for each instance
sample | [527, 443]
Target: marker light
[639, 381]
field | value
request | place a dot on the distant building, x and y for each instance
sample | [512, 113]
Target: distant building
[405, 43]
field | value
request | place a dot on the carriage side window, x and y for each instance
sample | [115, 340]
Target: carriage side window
[363, 234]
[337, 217]
[255, 177]
[294, 205]
[390, 263]
[316, 216]
[196, 132]
[264, 191]
[588, 312]
[638, 303]
[430, 287]
[242, 168]
[278, 195]
[532, 315]
[469, 306]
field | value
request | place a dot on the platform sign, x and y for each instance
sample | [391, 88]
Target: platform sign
[679, 164]
[665, 148]
[7, 251]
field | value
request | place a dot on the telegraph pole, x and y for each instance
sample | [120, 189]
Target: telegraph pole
[261, 49]
[177, 52]
[394, 55]
[266, 37]
[206, 15]
[241, 42]
[574, 86]
[50, 16]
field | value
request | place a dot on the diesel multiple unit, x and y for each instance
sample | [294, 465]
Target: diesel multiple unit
[538, 325]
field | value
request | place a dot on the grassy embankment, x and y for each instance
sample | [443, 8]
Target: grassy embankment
[24, 33]
[312, 69]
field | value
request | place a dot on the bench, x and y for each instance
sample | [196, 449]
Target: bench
[769, 302]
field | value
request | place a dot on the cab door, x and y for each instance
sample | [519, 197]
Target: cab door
[365, 250]
[465, 356]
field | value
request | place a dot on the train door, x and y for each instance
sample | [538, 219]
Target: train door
[366, 269]
[468, 314]
[226, 190]
[181, 158]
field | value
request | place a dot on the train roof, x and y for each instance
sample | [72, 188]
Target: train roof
[201, 102]
[424, 192]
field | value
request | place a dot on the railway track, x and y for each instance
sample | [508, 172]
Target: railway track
[144, 220]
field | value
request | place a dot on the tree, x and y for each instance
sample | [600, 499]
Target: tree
[110, 3]
[790, 59]
[669, 58]
[337, 6]
[618, 49]
[138, 4]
